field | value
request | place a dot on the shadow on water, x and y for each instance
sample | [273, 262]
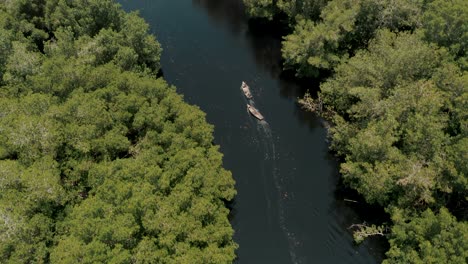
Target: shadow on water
[289, 207]
[229, 13]
[264, 41]
[270, 168]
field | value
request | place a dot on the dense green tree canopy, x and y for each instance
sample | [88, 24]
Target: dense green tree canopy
[343, 27]
[446, 23]
[100, 161]
[429, 238]
[292, 8]
[397, 100]
[393, 122]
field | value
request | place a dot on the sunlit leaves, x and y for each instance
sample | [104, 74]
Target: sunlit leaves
[21, 63]
[398, 107]
[315, 46]
[429, 238]
[446, 23]
[395, 137]
[301, 8]
[261, 8]
[344, 26]
[100, 162]
[100, 33]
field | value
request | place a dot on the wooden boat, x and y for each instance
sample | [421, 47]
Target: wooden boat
[246, 90]
[255, 112]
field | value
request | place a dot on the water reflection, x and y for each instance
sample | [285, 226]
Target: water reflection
[229, 13]
[286, 210]
[264, 42]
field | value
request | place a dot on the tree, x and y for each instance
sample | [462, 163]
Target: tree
[428, 238]
[261, 8]
[100, 161]
[344, 27]
[397, 103]
[389, 126]
[309, 9]
[446, 23]
[20, 63]
[314, 46]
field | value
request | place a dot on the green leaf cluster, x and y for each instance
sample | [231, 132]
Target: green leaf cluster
[429, 238]
[397, 101]
[100, 160]
[343, 27]
[293, 9]
[400, 124]
[398, 138]
[446, 24]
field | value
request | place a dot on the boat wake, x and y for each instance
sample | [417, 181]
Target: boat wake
[270, 172]
[272, 169]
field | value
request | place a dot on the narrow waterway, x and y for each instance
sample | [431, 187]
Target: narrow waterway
[287, 209]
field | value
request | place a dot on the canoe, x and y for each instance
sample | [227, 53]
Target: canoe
[246, 90]
[255, 112]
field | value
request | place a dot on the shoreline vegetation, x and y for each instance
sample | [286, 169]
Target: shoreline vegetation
[397, 102]
[101, 161]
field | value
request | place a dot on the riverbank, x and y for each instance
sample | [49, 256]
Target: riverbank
[218, 49]
[395, 98]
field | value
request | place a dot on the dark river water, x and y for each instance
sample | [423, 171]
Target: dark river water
[288, 209]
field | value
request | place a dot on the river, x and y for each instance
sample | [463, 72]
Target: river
[288, 208]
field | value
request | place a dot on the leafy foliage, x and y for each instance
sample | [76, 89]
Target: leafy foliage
[363, 231]
[397, 99]
[261, 8]
[100, 161]
[343, 27]
[394, 126]
[429, 238]
[446, 23]
[292, 8]
[391, 120]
